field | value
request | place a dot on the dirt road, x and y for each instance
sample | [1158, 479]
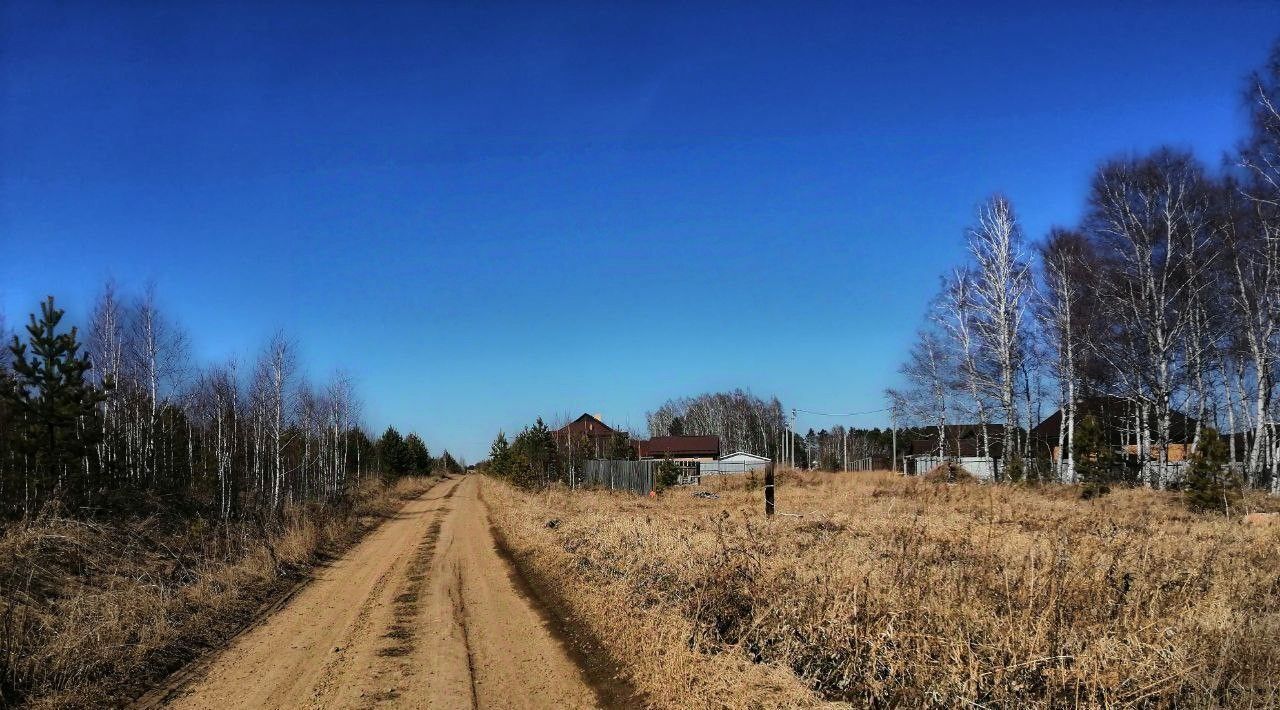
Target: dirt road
[422, 614]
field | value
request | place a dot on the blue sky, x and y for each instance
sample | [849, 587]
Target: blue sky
[493, 211]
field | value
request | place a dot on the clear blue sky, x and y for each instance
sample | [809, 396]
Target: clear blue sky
[491, 211]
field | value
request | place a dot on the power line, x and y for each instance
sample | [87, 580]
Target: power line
[846, 414]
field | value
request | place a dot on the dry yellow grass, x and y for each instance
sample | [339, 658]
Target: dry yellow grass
[888, 591]
[92, 613]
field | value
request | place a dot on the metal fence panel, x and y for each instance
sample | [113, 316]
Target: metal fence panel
[712, 468]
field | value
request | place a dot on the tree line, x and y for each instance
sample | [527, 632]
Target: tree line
[743, 421]
[117, 418]
[1166, 295]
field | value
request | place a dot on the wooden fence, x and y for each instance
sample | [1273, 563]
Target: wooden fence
[870, 463]
[635, 476]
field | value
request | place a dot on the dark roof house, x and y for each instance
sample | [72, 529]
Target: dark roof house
[679, 447]
[963, 440]
[586, 425]
[590, 428]
[1116, 415]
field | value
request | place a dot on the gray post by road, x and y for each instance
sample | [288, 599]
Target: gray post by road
[894, 423]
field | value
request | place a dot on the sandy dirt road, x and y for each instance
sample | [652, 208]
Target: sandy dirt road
[423, 613]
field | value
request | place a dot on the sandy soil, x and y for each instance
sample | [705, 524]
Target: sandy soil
[423, 613]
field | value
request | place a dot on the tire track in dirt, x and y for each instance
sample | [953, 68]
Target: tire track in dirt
[305, 654]
[460, 618]
[489, 642]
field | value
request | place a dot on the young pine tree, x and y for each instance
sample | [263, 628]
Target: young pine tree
[419, 457]
[393, 454]
[676, 427]
[500, 456]
[668, 473]
[1093, 458]
[540, 447]
[581, 450]
[54, 410]
[1015, 470]
[1210, 486]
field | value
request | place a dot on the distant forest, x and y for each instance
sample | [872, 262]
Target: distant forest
[117, 418]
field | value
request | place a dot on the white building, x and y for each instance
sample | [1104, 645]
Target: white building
[737, 462]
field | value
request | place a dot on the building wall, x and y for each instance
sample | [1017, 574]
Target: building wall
[1177, 452]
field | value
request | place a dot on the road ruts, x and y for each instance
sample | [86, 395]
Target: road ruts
[423, 613]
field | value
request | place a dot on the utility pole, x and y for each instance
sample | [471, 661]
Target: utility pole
[893, 422]
[792, 436]
[786, 440]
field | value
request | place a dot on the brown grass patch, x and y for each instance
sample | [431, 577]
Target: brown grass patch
[882, 590]
[93, 613]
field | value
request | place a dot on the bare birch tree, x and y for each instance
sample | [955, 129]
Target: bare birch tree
[1061, 318]
[276, 369]
[926, 398]
[1001, 289]
[955, 313]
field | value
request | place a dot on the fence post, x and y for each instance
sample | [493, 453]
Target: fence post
[768, 489]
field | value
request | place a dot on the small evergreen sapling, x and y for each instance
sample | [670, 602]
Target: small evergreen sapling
[500, 456]
[620, 448]
[1015, 470]
[1093, 458]
[1210, 485]
[668, 473]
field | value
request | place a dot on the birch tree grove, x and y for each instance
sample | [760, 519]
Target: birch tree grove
[1163, 304]
[1255, 264]
[165, 429]
[1150, 221]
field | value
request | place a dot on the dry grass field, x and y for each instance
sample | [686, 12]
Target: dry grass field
[93, 613]
[878, 590]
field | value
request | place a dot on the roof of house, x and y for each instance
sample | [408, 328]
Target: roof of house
[585, 425]
[962, 439]
[692, 446]
[1114, 415]
[953, 432]
[743, 455]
